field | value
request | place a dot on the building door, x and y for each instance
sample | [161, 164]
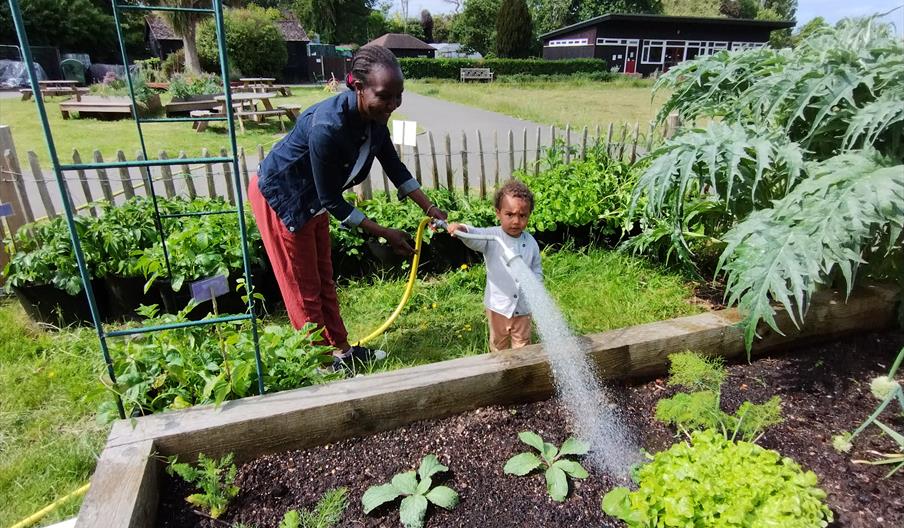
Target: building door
[631, 59]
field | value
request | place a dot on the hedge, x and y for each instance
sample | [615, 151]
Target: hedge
[449, 68]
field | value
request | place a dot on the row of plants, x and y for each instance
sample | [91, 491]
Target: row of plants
[414, 68]
[715, 476]
[789, 175]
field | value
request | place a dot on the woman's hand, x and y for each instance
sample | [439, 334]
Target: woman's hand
[400, 242]
[437, 213]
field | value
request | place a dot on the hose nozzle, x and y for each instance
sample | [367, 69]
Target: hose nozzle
[440, 224]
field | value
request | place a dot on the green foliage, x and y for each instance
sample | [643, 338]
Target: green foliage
[417, 489]
[474, 28]
[449, 68]
[186, 85]
[781, 125]
[784, 252]
[712, 481]
[144, 94]
[595, 191]
[178, 368]
[173, 64]
[887, 390]
[71, 25]
[553, 14]
[340, 21]
[215, 478]
[325, 514]
[513, 29]
[701, 409]
[557, 468]
[254, 45]
[41, 253]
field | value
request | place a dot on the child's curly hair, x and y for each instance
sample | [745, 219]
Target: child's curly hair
[515, 189]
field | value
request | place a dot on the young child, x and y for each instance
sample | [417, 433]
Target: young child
[507, 310]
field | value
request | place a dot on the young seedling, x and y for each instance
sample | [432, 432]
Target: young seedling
[325, 514]
[551, 458]
[215, 479]
[415, 487]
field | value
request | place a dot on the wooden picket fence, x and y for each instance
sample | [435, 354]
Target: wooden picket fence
[478, 168]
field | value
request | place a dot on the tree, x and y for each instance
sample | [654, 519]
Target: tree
[513, 29]
[74, 25]
[427, 25]
[336, 21]
[185, 25]
[698, 8]
[473, 28]
[442, 27]
[548, 15]
[254, 44]
[739, 8]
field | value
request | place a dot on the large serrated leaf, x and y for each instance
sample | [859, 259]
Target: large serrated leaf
[556, 483]
[412, 511]
[405, 482]
[375, 496]
[444, 497]
[522, 464]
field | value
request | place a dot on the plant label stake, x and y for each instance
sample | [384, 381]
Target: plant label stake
[6, 209]
[210, 288]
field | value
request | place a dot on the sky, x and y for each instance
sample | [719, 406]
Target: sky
[831, 10]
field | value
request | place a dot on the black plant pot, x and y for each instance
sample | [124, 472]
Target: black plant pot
[45, 303]
[126, 294]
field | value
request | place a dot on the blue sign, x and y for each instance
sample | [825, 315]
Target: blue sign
[6, 209]
[206, 289]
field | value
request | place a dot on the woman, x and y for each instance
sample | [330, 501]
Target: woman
[330, 149]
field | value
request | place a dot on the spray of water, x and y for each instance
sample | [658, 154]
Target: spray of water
[595, 420]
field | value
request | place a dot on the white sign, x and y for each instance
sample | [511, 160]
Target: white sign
[404, 132]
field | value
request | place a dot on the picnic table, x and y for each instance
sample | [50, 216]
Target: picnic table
[245, 106]
[59, 87]
[264, 84]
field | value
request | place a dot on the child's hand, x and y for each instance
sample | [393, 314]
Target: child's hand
[454, 228]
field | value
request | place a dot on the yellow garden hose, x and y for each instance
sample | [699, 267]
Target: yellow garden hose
[38, 515]
[409, 287]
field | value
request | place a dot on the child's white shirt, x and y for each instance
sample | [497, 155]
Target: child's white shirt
[503, 293]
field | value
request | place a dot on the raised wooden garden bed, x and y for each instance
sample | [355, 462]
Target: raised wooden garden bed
[124, 489]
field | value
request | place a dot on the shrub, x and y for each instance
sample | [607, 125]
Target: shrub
[215, 479]
[173, 63]
[449, 68]
[186, 85]
[712, 481]
[144, 94]
[253, 42]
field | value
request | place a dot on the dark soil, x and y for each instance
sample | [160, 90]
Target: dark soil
[824, 391]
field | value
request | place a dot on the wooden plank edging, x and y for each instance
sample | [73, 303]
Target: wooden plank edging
[318, 415]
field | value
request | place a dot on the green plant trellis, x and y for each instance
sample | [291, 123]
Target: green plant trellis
[216, 10]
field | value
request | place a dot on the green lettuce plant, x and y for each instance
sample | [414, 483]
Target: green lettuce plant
[417, 490]
[701, 408]
[712, 481]
[215, 478]
[557, 468]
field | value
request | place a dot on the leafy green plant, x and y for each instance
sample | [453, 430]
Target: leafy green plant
[790, 134]
[885, 389]
[417, 489]
[557, 468]
[178, 368]
[186, 85]
[254, 44]
[701, 409]
[215, 478]
[712, 481]
[144, 94]
[325, 514]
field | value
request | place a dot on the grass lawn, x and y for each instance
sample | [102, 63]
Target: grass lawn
[49, 439]
[579, 103]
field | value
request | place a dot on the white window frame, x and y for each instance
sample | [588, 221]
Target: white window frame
[617, 42]
[645, 51]
[739, 46]
[567, 42]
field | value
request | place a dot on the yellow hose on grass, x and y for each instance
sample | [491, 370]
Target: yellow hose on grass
[409, 286]
[38, 515]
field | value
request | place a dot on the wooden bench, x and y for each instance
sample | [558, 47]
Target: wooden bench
[120, 106]
[476, 74]
[56, 91]
[258, 116]
[200, 126]
[292, 110]
[176, 107]
[282, 89]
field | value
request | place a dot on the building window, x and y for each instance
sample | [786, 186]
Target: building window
[653, 52]
[567, 42]
[617, 42]
[738, 46]
[710, 47]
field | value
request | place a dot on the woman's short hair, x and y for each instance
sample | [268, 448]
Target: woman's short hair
[367, 59]
[515, 189]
